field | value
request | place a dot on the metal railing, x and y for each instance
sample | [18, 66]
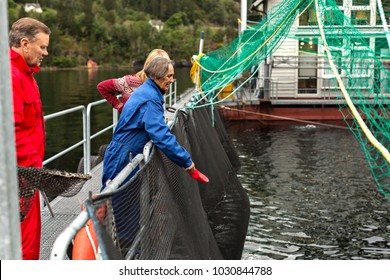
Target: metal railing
[89, 137]
[60, 246]
[170, 97]
[82, 142]
[297, 90]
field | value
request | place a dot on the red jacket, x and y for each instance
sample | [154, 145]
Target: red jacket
[28, 115]
[30, 146]
[125, 86]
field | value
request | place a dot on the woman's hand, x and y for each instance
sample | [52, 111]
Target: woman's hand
[190, 169]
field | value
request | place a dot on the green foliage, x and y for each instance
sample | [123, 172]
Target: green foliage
[64, 62]
[177, 19]
[114, 32]
[13, 15]
[49, 16]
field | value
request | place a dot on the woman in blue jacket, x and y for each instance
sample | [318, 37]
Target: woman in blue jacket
[142, 120]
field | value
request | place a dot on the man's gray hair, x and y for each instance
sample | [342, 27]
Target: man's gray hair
[158, 68]
[26, 28]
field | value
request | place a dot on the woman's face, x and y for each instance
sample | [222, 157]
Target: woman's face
[166, 81]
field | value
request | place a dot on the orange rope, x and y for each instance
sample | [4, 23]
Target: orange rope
[283, 118]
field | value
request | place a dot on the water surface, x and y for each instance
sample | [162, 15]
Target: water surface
[311, 192]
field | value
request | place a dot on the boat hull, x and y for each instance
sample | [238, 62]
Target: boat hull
[266, 111]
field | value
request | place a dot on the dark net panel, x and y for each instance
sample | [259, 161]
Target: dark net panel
[224, 199]
[52, 182]
[191, 237]
[160, 213]
[228, 146]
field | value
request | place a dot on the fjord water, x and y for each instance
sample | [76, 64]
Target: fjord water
[311, 192]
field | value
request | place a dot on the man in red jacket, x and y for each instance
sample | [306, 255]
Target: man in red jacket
[28, 39]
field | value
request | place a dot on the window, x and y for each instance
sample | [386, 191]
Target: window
[386, 11]
[337, 61]
[360, 2]
[307, 66]
[360, 17]
[380, 43]
[334, 17]
[360, 42]
[335, 42]
[308, 17]
[338, 2]
[361, 62]
[336, 45]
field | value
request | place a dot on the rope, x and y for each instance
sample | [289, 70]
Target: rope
[284, 118]
[351, 106]
[197, 60]
[91, 240]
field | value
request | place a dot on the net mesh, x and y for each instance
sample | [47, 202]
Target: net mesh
[52, 182]
[162, 213]
[355, 66]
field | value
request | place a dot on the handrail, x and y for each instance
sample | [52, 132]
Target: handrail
[83, 141]
[64, 239]
[89, 137]
[171, 95]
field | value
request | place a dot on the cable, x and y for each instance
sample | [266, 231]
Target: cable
[351, 106]
[284, 118]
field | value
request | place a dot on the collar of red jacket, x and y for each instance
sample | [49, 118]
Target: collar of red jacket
[21, 63]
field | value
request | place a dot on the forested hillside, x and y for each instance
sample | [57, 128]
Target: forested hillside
[118, 32]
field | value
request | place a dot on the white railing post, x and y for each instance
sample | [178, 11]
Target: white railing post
[87, 142]
[87, 154]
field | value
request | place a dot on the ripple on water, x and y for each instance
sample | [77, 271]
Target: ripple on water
[312, 195]
[369, 228]
[374, 239]
[296, 234]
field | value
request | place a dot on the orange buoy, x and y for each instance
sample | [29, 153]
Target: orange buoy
[85, 244]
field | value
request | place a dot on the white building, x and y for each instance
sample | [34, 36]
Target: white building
[32, 7]
[298, 69]
[157, 24]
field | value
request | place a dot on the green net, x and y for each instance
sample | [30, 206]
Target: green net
[354, 63]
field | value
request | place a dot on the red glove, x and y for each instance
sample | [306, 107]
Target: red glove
[197, 175]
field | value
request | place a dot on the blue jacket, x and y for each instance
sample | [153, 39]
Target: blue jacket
[141, 120]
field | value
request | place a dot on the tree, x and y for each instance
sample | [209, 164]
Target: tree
[118, 31]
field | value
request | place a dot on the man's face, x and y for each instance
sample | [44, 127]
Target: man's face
[34, 51]
[165, 82]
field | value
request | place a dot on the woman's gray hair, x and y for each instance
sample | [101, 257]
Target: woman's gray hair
[26, 28]
[158, 68]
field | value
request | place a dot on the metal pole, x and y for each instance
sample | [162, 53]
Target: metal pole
[244, 8]
[10, 247]
[197, 77]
